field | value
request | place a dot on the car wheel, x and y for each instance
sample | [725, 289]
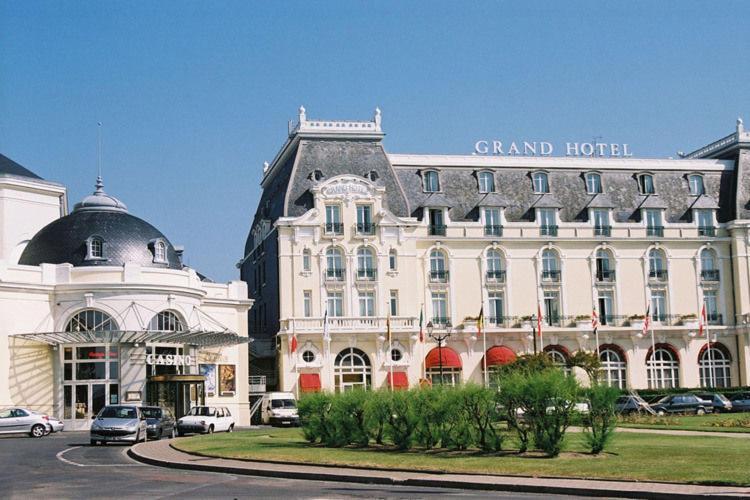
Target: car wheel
[231, 428]
[158, 436]
[179, 433]
[700, 411]
[661, 413]
[94, 442]
[210, 429]
[38, 430]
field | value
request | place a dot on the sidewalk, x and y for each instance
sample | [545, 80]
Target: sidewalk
[162, 454]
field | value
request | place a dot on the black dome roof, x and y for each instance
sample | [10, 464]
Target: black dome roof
[125, 238]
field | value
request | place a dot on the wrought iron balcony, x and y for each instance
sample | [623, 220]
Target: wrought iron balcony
[714, 319]
[365, 228]
[655, 231]
[546, 230]
[553, 275]
[436, 230]
[367, 273]
[497, 275]
[658, 274]
[709, 275]
[706, 231]
[496, 320]
[440, 320]
[439, 276]
[335, 274]
[333, 228]
[605, 275]
[602, 230]
[493, 230]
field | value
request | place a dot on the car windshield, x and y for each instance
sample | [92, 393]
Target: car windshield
[202, 411]
[665, 399]
[283, 403]
[622, 400]
[151, 412]
[118, 412]
[722, 398]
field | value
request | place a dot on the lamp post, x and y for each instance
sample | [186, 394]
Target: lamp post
[439, 339]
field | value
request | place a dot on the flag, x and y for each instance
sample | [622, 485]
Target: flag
[326, 333]
[647, 322]
[480, 321]
[594, 320]
[293, 343]
[703, 321]
[539, 319]
[388, 327]
[421, 322]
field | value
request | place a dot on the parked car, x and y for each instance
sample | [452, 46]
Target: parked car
[741, 401]
[632, 403]
[159, 422]
[23, 421]
[719, 402]
[118, 423]
[206, 420]
[682, 403]
[56, 425]
[279, 408]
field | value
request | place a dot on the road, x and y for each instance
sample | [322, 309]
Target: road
[64, 465]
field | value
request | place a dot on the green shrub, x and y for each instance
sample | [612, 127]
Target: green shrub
[599, 423]
[430, 412]
[511, 400]
[313, 412]
[377, 413]
[480, 410]
[347, 414]
[457, 431]
[550, 404]
[402, 420]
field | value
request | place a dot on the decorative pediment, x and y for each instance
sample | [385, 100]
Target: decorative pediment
[348, 188]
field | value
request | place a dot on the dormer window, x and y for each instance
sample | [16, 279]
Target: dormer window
[695, 182]
[95, 248]
[540, 182]
[316, 175]
[431, 182]
[593, 183]
[159, 249]
[486, 182]
[646, 184]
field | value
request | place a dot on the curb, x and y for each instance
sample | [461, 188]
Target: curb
[133, 452]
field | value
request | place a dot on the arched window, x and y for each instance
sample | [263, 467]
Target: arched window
[160, 251]
[352, 370]
[613, 367]
[431, 181]
[695, 182]
[91, 320]
[541, 184]
[438, 271]
[709, 267]
[365, 263]
[605, 266]
[550, 265]
[166, 321]
[593, 183]
[95, 248]
[486, 182]
[392, 259]
[306, 259]
[495, 271]
[334, 264]
[646, 184]
[559, 358]
[715, 363]
[663, 369]
[657, 264]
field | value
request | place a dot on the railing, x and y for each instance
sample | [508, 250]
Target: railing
[493, 230]
[333, 228]
[655, 231]
[714, 319]
[548, 230]
[440, 320]
[440, 276]
[706, 231]
[496, 320]
[658, 274]
[365, 228]
[335, 274]
[551, 275]
[496, 275]
[367, 273]
[257, 384]
[602, 230]
[350, 324]
[709, 275]
[605, 275]
[436, 230]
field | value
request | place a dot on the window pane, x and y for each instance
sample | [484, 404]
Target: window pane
[90, 371]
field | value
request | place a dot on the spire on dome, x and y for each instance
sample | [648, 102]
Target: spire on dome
[100, 200]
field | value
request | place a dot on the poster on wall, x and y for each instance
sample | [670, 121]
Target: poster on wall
[209, 372]
[227, 380]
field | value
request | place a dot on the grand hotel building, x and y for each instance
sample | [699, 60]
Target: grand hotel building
[347, 235]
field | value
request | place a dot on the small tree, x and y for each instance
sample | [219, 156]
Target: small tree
[480, 409]
[602, 417]
[511, 400]
[402, 420]
[313, 412]
[347, 413]
[550, 404]
[588, 362]
[377, 413]
[431, 415]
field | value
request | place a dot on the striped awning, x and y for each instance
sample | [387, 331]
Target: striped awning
[198, 338]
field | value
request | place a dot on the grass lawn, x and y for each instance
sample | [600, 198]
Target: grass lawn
[721, 422]
[700, 459]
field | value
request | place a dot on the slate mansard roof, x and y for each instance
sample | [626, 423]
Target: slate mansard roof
[9, 167]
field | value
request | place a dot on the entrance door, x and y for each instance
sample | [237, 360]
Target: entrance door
[83, 401]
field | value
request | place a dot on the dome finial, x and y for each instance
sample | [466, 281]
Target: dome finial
[99, 185]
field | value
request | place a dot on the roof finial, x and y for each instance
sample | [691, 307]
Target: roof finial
[99, 156]
[377, 117]
[740, 126]
[302, 116]
[265, 167]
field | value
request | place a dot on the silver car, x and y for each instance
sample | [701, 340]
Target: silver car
[55, 424]
[21, 420]
[118, 423]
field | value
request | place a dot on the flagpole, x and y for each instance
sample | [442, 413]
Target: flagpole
[711, 373]
[484, 350]
[390, 345]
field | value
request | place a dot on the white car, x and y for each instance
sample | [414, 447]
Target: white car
[206, 420]
[279, 408]
[21, 420]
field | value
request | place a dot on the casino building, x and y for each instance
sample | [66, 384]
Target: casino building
[97, 308]
[349, 239]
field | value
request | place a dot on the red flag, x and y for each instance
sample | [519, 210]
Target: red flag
[421, 321]
[647, 322]
[480, 320]
[594, 320]
[539, 319]
[703, 321]
[293, 343]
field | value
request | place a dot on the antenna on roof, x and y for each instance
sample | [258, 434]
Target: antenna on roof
[99, 155]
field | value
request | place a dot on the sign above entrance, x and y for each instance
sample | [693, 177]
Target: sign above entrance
[169, 360]
[545, 148]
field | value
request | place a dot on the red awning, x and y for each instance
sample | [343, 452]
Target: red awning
[309, 382]
[450, 357]
[400, 380]
[500, 355]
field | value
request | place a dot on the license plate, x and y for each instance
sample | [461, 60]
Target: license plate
[286, 422]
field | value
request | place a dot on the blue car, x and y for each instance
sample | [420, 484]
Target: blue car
[741, 401]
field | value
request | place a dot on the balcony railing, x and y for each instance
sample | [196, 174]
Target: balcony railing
[655, 231]
[548, 230]
[714, 319]
[706, 231]
[496, 321]
[709, 275]
[355, 324]
[335, 274]
[364, 228]
[496, 275]
[658, 274]
[439, 276]
[440, 320]
[605, 275]
[551, 275]
[603, 231]
[333, 228]
[493, 230]
[436, 230]
[367, 273]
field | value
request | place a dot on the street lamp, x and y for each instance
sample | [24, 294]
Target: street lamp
[439, 338]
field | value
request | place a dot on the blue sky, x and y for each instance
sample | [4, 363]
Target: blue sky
[194, 96]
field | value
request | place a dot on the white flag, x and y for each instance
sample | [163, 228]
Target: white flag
[326, 333]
